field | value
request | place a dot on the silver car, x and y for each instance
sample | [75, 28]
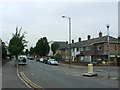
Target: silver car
[52, 62]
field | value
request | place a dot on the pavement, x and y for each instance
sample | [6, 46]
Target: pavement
[102, 71]
[9, 77]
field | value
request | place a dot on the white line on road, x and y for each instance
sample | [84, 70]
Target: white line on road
[77, 75]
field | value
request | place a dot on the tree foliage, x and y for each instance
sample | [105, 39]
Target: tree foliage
[42, 47]
[26, 51]
[4, 51]
[17, 43]
[32, 50]
[54, 47]
[58, 56]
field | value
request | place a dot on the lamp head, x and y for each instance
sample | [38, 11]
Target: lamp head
[107, 25]
[63, 16]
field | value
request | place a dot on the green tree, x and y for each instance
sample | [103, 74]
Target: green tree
[58, 56]
[32, 50]
[26, 51]
[42, 47]
[54, 47]
[4, 51]
[17, 43]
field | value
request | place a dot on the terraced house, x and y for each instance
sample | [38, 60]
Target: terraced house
[93, 50]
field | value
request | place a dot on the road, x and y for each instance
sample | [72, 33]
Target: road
[48, 76]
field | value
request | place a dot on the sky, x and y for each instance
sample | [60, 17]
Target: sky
[44, 19]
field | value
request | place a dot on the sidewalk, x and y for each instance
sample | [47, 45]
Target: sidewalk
[9, 76]
[102, 71]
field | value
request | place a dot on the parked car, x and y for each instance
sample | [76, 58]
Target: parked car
[52, 62]
[41, 59]
[30, 58]
[37, 59]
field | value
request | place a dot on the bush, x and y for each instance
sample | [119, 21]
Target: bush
[58, 57]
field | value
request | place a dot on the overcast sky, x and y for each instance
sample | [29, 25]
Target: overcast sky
[44, 19]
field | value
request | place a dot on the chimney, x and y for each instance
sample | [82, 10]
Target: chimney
[79, 39]
[88, 37]
[72, 41]
[66, 42]
[100, 34]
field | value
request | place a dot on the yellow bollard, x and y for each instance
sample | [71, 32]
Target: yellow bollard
[90, 68]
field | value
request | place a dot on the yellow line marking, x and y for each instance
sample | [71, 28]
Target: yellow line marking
[29, 81]
[22, 79]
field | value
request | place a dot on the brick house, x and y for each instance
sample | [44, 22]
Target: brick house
[94, 49]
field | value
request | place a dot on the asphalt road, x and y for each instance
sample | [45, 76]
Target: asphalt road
[48, 76]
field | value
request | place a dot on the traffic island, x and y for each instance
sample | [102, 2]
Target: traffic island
[89, 74]
[90, 71]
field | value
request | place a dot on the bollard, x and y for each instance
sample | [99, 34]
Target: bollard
[90, 68]
[90, 71]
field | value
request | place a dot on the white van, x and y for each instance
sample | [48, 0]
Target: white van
[22, 59]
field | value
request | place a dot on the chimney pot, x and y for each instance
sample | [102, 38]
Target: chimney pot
[72, 41]
[100, 34]
[88, 37]
[79, 39]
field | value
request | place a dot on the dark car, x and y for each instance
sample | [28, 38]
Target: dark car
[37, 59]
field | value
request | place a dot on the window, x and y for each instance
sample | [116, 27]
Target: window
[87, 48]
[99, 47]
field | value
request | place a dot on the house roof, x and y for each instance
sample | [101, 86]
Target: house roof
[90, 42]
[61, 43]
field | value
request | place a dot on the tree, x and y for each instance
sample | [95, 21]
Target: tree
[54, 47]
[42, 47]
[32, 50]
[58, 56]
[17, 43]
[4, 51]
[26, 51]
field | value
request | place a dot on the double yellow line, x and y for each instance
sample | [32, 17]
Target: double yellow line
[28, 81]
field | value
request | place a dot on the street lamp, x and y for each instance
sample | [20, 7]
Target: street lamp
[69, 38]
[108, 49]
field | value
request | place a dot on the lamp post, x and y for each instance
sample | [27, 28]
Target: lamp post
[108, 50]
[69, 39]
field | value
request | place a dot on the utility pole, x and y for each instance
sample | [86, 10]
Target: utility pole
[69, 39]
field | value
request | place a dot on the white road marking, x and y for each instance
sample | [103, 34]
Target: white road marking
[77, 75]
